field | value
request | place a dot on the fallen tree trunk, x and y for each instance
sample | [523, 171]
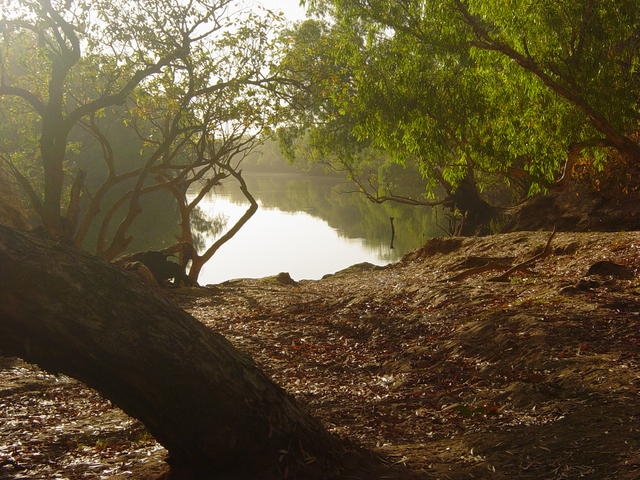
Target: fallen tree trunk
[207, 403]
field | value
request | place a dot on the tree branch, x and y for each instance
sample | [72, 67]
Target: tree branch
[73, 209]
[597, 119]
[26, 95]
[119, 97]
[572, 157]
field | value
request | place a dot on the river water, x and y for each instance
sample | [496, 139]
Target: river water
[307, 226]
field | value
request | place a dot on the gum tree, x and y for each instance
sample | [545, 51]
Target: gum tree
[377, 101]
[191, 81]
[569, 68]
[64, 63]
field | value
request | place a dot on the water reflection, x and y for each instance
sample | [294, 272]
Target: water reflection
[307, 227]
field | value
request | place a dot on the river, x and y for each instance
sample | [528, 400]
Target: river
[307, 226]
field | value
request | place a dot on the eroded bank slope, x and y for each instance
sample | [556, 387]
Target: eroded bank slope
[457, 375]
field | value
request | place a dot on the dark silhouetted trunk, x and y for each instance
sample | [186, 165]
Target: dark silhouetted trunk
[207, 403]
[477, 213]
[198, 261]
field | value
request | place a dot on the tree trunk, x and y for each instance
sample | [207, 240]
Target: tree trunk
[198, 261]
[207, 403]
[478, 214]
[53, 154]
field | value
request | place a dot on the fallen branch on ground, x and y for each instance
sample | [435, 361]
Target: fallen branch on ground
[500, 266]
[544, 253]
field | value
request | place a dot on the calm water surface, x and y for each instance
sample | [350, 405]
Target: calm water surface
[308, 227]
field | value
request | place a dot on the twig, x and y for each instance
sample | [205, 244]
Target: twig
[544, 253]
[498, 266]
[489, 267]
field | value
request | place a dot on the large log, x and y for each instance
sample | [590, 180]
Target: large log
[206, 402]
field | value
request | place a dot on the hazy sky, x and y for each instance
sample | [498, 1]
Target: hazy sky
[291, 8]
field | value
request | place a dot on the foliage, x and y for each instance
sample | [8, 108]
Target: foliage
[469, 90]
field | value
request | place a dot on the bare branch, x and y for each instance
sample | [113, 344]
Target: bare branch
[372, 194]
[199, 261]
[73, 209]
[544, 253]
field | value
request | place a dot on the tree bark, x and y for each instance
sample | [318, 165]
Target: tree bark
[206, 402]
[53, 151]
[478, 214]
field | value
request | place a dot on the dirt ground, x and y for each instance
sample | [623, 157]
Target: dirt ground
[430, 362]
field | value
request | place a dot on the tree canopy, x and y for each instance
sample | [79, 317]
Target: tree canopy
[110, 101]
[486, 93]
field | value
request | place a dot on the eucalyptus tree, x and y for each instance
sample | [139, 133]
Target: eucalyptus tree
[230, 122]
[63, 63]
[194, 126]
[377, 99]
[332, 113]
[67, 34]
[570, 68]
[586, 52]
[477, 95]
[194, 103]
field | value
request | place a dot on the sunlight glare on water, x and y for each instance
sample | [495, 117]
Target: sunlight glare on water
[275, 241]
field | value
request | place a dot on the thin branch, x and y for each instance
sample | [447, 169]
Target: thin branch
[73, 209]
[379, 199]
[493, 266]
[198, 261]
[105, 144]
[527, 263]
[574, 154]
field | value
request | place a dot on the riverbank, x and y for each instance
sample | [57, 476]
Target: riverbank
[429, 361]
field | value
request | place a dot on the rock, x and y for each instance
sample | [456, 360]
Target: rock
[357, 268]
[570, 290]
[611, 269]
[285, 279]
[158, 264]
[434, 246]
[585, 285]
[142, 272]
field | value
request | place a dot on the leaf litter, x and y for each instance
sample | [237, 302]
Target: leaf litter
[534, 377]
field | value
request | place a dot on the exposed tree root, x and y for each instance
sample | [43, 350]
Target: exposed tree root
[527, 263]
[493, 266]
